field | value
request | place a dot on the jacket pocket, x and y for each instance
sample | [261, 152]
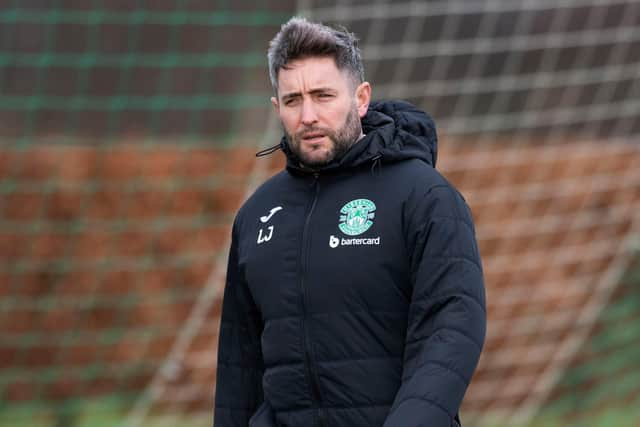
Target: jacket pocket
[263, 417]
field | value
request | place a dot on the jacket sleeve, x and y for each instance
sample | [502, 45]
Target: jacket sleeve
[447, 314]
[240, 365]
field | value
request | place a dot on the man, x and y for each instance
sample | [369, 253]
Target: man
[354, 293]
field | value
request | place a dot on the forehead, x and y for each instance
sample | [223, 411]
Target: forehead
[305, 74]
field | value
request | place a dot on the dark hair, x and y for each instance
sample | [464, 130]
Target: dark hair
[299, 38]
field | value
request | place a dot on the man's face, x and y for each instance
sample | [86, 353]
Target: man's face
[320, 109]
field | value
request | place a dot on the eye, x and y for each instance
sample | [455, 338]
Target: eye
[325, 95]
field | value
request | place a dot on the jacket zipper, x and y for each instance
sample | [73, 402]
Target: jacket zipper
[315, 391]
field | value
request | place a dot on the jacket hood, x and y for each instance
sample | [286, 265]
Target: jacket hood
[394, 131]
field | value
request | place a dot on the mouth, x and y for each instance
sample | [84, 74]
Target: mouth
[313, 137]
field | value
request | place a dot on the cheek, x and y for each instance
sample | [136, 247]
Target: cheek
[336, 115]
[289, 122]
[342, 117]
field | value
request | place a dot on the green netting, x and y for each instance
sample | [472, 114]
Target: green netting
[127, 133]
[181, 67]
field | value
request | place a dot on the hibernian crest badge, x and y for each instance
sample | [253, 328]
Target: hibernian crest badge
[356, 216]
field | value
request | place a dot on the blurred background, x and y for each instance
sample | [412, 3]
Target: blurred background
[127, 137]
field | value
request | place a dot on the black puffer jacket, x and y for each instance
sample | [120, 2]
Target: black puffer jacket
[354, 296]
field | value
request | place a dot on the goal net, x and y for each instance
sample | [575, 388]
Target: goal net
[127, 134]
[536, 103]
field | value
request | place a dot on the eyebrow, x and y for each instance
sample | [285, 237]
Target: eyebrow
[312, 92]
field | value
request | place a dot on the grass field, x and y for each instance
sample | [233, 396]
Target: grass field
[112, 413]
[89, 413]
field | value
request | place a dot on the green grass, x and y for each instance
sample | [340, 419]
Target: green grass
[627, 416]
[90, 413]
[113, 412]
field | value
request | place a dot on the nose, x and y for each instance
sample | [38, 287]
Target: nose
[308, 114]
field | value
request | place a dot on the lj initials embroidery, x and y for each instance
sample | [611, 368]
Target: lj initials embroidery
[266, 238]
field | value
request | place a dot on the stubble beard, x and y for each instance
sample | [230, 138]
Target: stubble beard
[342, 140]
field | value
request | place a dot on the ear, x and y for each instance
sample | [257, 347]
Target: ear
[363, 98]
[276, 106]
